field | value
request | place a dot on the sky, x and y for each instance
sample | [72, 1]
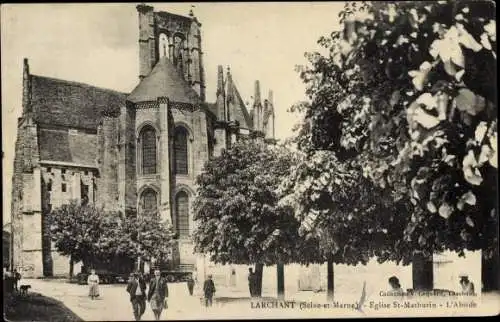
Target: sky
[97, 44]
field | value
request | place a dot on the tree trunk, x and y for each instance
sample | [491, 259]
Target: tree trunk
[280, 270]
[259, 268]
[423, 272]
[489, 274]
[46, 246]
[330, 284]
[71, 267]
[46, 238]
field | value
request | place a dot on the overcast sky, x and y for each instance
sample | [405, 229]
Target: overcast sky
[97, 44]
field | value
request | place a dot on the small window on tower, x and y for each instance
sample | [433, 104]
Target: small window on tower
[63, 171]
[86, 173]
[63, 187]
[49, 170]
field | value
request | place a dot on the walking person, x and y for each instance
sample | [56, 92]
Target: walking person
[190, 284]
[137, 289]
[208, 290]
[157, 294]
[251, 282]
[93, 282]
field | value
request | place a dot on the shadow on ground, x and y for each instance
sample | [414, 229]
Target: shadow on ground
[36, 307]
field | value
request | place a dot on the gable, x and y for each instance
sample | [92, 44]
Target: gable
[238, 110]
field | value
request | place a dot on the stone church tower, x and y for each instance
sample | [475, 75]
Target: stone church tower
[131, 152]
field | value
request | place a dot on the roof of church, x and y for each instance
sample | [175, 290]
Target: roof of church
[63, 146]
[164, 81]
[239, 111]
[212, 107]
[71, 104]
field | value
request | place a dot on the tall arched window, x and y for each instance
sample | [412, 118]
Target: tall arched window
[148, 200]
[163, 45]
[182, 214]
[148, 139]
[181, 150]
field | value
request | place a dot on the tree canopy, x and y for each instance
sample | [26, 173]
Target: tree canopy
[238, 219]
[406, 99]
[90, 234]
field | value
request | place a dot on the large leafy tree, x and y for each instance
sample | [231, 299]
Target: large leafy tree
[93, 236]
[407, 94]
[143, 236]
[76, 230]
[238, 219]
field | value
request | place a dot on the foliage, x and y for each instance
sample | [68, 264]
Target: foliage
[238, 219]
[407, 94]
[76, 230]
[351, 219]
[90, 234]
[144, 235]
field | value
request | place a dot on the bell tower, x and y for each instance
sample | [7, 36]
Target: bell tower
[178, 38]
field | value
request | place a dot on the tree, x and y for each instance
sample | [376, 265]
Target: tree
[238, 219]
[349, 218]
[93, 236]
[76, 229]
[408, 95]
[143, 236]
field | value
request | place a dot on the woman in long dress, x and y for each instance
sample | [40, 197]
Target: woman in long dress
[93, 282]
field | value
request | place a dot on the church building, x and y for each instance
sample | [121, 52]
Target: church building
[126, 151]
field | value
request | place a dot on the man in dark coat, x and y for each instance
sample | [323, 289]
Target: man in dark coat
[137, 289]
[157, 294]
[208, 290]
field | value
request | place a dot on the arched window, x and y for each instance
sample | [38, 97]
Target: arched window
[148, 200]
[182, 214]
[163, 45]
[181, 150]
[148, 139]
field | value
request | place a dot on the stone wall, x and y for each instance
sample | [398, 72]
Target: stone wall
[127, 185]
[17, 197]
[107, 181]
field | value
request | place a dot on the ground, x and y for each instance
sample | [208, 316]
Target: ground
[114, 305]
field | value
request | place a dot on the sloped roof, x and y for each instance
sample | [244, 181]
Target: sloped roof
[63, 146]
[212, 107]
[238, 110]
[164, 81]
[71, 104]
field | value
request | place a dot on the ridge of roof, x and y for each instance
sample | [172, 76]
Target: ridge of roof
[81, 84]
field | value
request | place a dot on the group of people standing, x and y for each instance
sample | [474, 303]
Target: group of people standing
[156, 295]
